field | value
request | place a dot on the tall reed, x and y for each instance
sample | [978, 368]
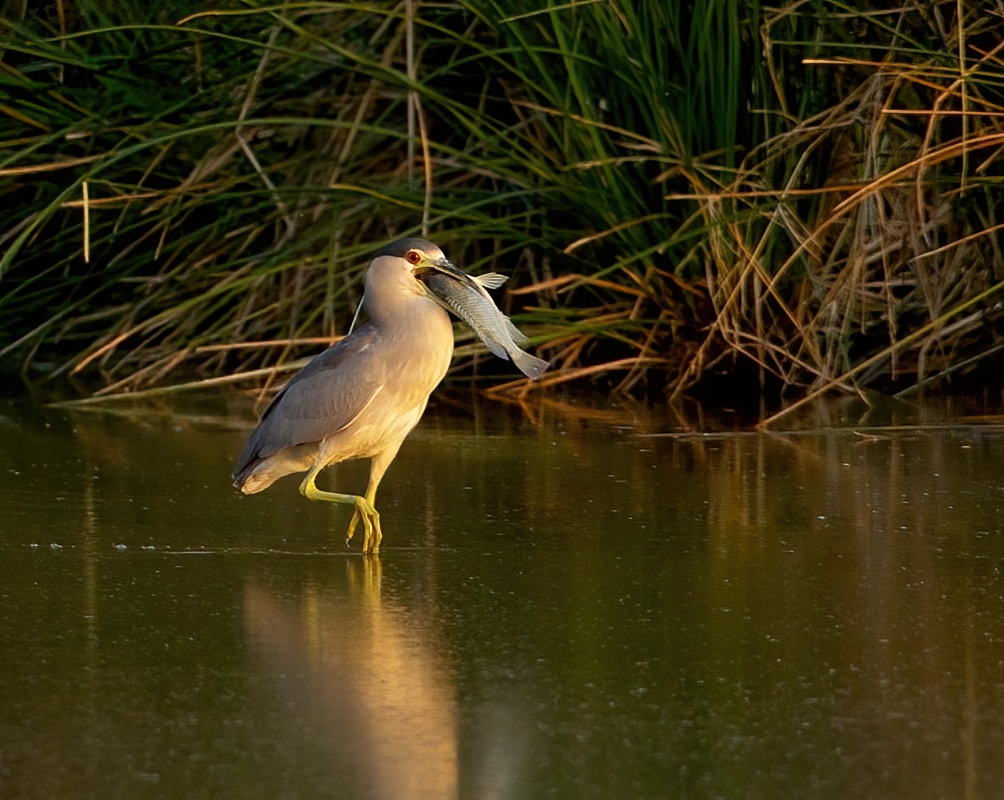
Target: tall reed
[675, 187]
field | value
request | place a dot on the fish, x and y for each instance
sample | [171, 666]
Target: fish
[470, 301]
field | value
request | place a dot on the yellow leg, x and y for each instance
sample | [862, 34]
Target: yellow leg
[378, 466]
[363, 509]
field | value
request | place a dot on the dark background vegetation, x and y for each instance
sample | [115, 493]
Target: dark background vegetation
[796, 198]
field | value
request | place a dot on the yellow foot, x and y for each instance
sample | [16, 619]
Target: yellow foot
[364, 511]
[372, 535]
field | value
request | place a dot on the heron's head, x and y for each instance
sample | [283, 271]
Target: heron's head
[421, 255]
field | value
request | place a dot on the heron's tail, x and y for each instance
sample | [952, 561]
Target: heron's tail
[248, 482]
[255, 474]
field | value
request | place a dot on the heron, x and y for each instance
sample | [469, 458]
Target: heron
[361, 397]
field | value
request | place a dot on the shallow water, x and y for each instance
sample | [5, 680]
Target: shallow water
[558, 611]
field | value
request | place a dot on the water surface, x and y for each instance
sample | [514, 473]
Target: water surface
[566, 610]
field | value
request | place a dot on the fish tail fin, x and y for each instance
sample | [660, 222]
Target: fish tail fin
[529, 365]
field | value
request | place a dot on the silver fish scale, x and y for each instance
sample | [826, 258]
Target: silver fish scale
[475, 306]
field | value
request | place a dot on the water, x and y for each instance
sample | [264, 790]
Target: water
[560, 611]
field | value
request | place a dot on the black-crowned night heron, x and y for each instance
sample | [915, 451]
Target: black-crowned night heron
[361, 397]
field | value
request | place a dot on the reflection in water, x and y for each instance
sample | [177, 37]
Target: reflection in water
[559, 612]
[89, 547]
[370, 677]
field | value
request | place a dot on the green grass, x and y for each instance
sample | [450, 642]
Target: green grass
[673, 190]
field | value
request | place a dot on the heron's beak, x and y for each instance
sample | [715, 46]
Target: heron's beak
[449, 268]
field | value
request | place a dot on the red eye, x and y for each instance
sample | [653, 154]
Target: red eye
[413, 256]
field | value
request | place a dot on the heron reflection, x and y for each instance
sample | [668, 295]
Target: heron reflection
[365, 676]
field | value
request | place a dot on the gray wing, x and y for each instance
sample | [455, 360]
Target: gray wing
[321, 399]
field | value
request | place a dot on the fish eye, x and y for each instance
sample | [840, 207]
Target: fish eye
[413, 257]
